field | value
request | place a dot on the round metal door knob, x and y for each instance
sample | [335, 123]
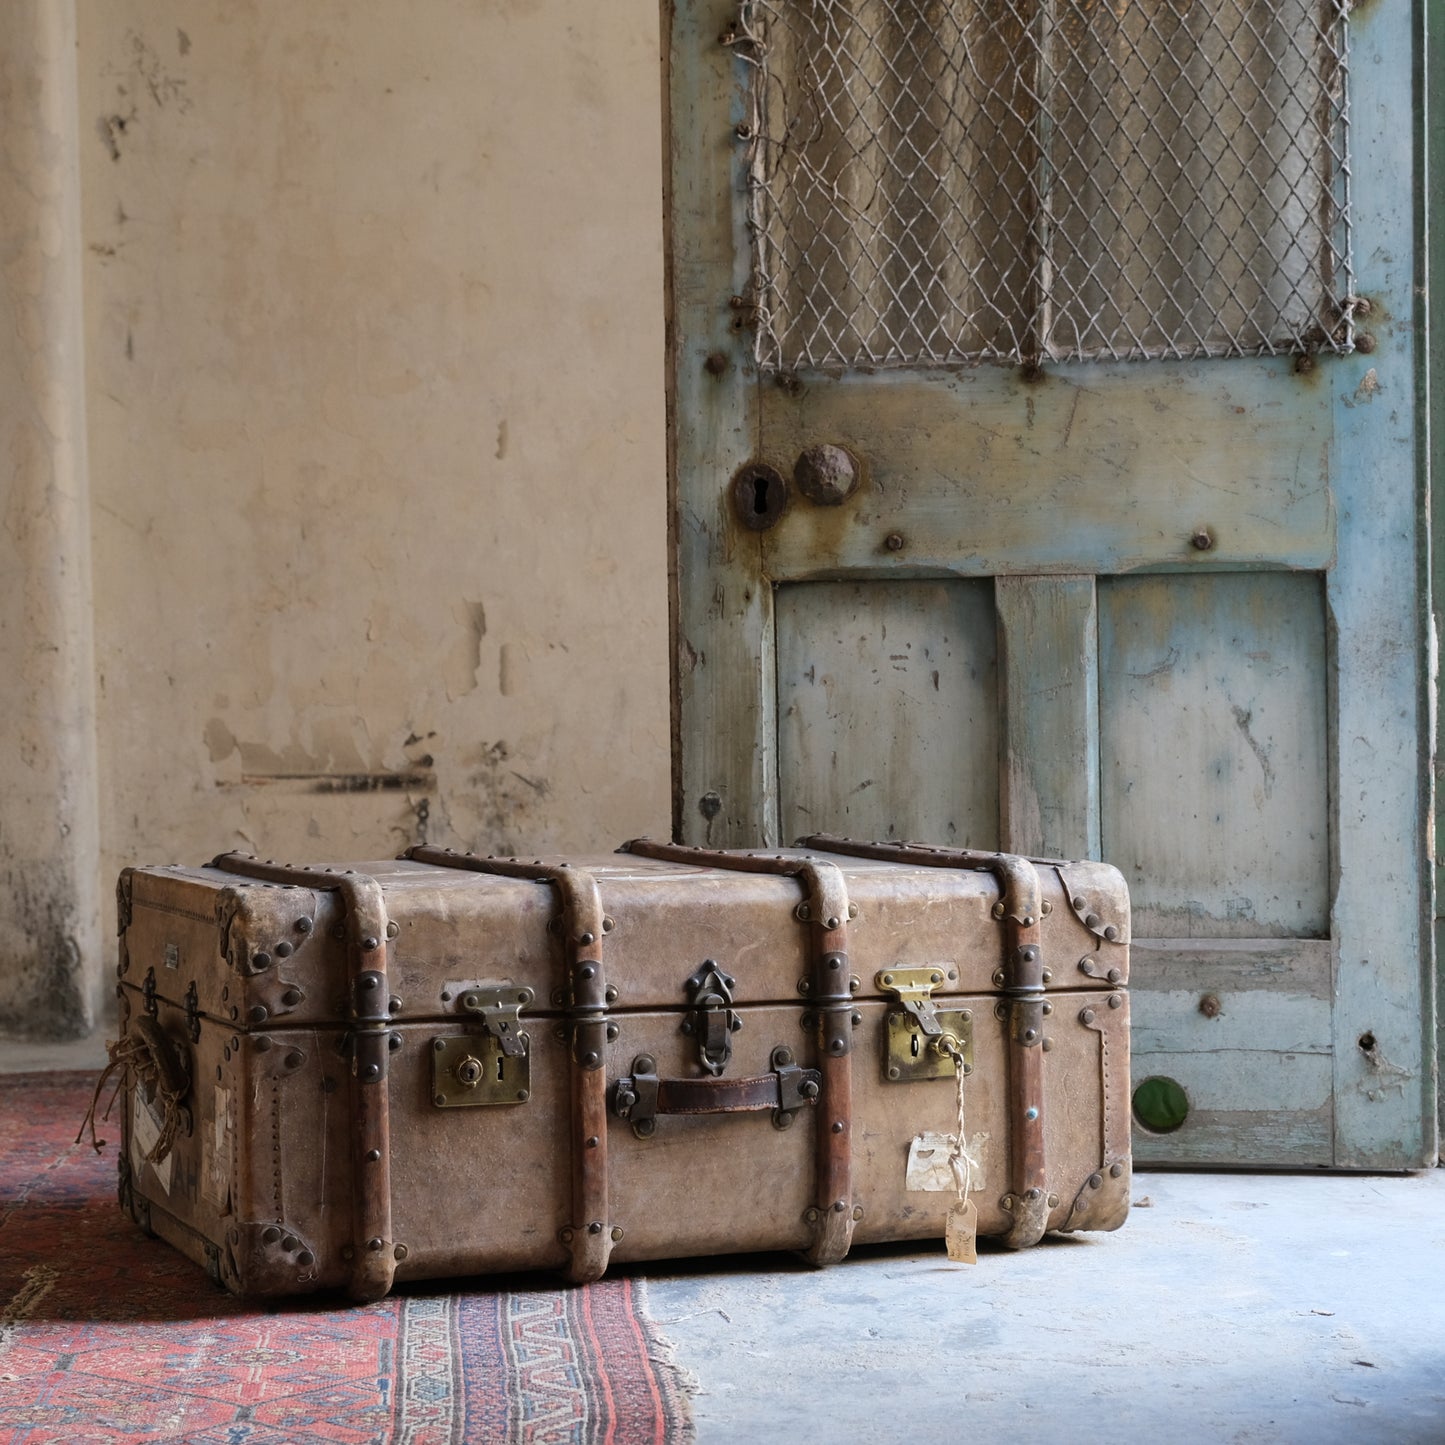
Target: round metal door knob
[826, 474]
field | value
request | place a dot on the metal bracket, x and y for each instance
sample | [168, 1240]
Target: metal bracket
[713, 1021]
[193, 1013]
[919, 1042]
[493, 1067]
[500, 1010]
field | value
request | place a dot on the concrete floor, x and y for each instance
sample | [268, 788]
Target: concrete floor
[1230, 1307]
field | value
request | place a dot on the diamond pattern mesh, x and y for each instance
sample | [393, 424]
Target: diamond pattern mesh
[937, 182]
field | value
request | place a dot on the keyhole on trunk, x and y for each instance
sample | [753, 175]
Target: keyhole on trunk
[501, 1063]
[760, 495]
[914, 1042]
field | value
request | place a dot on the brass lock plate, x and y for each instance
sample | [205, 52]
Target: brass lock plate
[909, 1054]
[471, 1069]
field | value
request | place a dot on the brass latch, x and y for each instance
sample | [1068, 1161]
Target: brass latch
[920, 1041]
[492, 1067]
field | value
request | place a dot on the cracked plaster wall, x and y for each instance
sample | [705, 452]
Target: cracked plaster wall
[374, 394]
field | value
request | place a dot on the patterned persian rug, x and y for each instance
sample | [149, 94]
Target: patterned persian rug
[106, 1335]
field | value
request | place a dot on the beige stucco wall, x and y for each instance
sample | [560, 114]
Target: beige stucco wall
[374, 389]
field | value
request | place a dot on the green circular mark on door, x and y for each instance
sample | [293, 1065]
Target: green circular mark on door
[1161, 1105]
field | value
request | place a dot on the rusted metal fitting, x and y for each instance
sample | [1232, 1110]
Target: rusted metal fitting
[760, 495]
[1202, 540]
[826, 474]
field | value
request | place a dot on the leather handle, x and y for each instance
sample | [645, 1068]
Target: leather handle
[641, 1096]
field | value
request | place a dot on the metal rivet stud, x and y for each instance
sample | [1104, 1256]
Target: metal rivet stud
[284, 949]
[369, 945]
[304, 925]
[399, 1252]
[1086, 1016]
[270, 1234]
[1031, 1113]
[587, 941]
[374, 1245]
[372, 1155]
[1115, 1001]
[1115, 1170]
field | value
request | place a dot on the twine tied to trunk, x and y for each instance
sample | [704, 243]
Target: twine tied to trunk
[144, 1059]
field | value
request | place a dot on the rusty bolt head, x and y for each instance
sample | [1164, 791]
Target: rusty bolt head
[1201, 541]
[826, 474]
[716, 363]
[1364, 342]
[1210, 1006]
[894, 541]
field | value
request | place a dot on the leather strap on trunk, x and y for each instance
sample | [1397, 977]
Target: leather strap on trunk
[590, 1236]
[834, 1211]
[373, 1252]
[1020, 909]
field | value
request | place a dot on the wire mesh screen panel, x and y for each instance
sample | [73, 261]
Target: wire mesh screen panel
[937, 182]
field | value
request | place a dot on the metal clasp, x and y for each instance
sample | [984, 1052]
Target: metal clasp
[500, 1010]
[919, 1041]
[493, 1067]
[713, 1021]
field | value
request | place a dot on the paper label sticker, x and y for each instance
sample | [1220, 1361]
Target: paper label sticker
[928, 1163]
[216, 1151]
[928, 1167]
[145, 1131]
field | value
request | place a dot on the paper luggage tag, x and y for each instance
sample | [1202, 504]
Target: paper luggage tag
[960, 1232]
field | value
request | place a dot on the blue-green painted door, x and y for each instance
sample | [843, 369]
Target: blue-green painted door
[1107, 313]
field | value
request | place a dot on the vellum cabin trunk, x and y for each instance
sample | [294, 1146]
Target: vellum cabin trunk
[451, 1065]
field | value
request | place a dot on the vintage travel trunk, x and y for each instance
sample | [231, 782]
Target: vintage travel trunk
[454, 1065]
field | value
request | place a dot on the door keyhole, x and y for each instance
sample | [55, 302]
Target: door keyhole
[501, 1063]
[760, 495]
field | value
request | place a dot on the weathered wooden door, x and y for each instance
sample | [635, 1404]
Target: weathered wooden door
[1045, 477]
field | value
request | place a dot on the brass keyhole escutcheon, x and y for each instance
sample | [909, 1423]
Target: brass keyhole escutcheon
[469, 1071]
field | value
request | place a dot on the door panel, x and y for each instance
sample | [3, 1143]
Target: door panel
[1215, 764]
[1203, 578]
[888, 713]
